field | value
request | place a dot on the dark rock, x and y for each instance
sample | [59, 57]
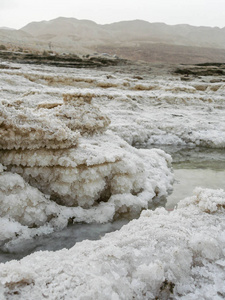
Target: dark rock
[70, 60]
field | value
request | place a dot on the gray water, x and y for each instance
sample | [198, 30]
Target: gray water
[65, 238]
[193, 167]
[186, 180]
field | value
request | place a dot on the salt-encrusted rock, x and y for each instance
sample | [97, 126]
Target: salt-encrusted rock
[78, 113]
[25, 128]
[63, 150]
[162, 255]
[23, 203]
[97, 169]
[96, 180]
[50, 126]
[26, 212]
[102, 184]
[207, 200]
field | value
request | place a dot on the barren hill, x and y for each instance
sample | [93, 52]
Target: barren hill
[136, 40]
[128, 31]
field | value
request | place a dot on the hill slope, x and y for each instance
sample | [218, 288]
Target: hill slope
[129, 31]
[137, 40]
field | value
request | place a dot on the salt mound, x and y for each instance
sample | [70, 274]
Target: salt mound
[26, 212]
[207, 200]
[24, 128]
[51, 126]
[95, 170]
[63, 166]
[87, 167]
[103, 177]
[78, 113]
[102, 183]
[164, 255]
[21, 202]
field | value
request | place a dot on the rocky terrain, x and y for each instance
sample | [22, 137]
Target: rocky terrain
[69, 60]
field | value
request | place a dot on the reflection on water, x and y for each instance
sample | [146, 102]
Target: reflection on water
[195, 167]
[186, 180]
[195, 158]
[192, 167]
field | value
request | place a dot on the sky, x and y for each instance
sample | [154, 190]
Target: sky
[18, 13]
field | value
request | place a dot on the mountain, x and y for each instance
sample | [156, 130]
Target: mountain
[62, 27]
[184, 35]
[14, 37]
[7, 28]
[128, 31]
[135, 39]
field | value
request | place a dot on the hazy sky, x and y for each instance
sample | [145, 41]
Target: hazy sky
[17, 13]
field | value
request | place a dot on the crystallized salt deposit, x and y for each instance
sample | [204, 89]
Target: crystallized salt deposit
[23, 128]
[102, 184]
[63, 158]
[178, 254]
[96, 169]
[63, 165]
[149, 110]
[51, 126]
[101, 165]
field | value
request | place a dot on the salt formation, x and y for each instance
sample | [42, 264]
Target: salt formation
[76, 170]
[22, 207]
[26, 212]
[68, 160]
[80, 114]
[25, 129]
[95, 169]
[51, 126]
[192, 111]
[178, 254]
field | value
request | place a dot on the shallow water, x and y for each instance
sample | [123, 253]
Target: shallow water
[186, 180]
[65, 238]
[193, 167]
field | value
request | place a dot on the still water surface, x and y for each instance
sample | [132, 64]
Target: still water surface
[195, 167]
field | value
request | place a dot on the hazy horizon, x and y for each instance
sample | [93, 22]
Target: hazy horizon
[6, 27]
[16, 14]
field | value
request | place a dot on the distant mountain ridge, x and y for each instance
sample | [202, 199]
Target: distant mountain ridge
[6, 28]
[129, 31]
[130, 39]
